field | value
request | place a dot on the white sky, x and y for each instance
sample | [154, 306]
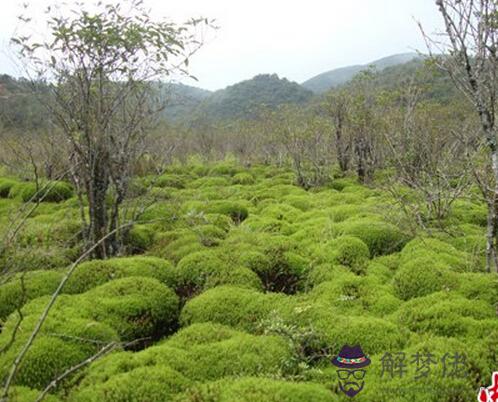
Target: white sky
[295, 39]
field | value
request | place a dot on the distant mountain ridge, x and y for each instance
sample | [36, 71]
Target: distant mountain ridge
[182, 100]
[243, 100]
[339, 76]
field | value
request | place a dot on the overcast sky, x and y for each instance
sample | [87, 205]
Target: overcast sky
[295, 39]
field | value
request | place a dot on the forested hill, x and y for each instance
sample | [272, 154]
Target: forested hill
[243, 100]
[437, 85]
[334, 78]
[182, 100]
[19, 108]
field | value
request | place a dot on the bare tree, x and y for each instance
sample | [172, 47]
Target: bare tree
[467, 51]
[307, 141]
[336, 105]
[427, 145]
[104, 66]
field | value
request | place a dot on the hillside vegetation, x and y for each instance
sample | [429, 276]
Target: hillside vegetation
[339, 76]
[241, 286]
[245, 99]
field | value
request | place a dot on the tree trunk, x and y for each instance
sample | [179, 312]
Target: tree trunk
[492, 222]
[341, 148]
[491, 234]
[97, 187]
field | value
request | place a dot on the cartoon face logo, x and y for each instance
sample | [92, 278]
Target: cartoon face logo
[351, 363]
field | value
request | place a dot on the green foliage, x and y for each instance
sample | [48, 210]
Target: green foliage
[348, 293]
[66, 339]
[56, 191]
[335, 328]
[210, 235]
[46, 359]
[281, 269]
[160, 213]
[229, 305]
[200, 334]
[243, 178]
[476, 286]
[438, 251]
[5, 186]
[16, 190]
[90, 274]
[241, 100]
[25, 287]
[227, 168]
[25, 394]
[170, 180]
[268, 225]
[157, 383]
[422, 276]
[136, 307]
[236, 354]
[234, 210]
[323, 273]
[380, 237]
[281, 212]
[254, 389]
[304, 274]
[444, 314]
[204, 269]
[34, 258]
[207, 182]
[468, 212]
[140, 238]
[348, 251]
[435, 387]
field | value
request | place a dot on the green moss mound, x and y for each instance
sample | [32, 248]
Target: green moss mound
[204, 269]
[351, 294]
[348, 251]
[469, 212]
[236, 211]
[444, 314]
[139, 238]
[380, 237]
[210, 235]
[240, 354]
[91, 274]
[43, 361]
[25, 287]
[157, 383]
[173, 245]
[224, 169]
[243, 179]
[423, 276]
[136, 307]
[278, 266]
[438, 251]
[55, 191]
[254, 389]
[436, 386]
[475, 286]
[200, 334]
[170, 180]
[335, 329]
[229, 305]
[25, 394]
[5, 186]
[66, 339]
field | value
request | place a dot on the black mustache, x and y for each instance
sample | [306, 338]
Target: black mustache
[353, 389]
